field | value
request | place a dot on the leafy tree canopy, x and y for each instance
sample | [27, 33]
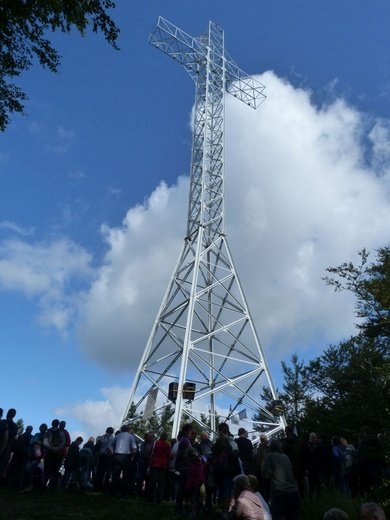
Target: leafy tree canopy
[347, 387]
[370, 283]
[24, 29]
[295, 392]
[352, 386]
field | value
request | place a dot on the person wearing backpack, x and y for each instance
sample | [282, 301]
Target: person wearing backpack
[227, 465]
[339, 466]
[53, 442]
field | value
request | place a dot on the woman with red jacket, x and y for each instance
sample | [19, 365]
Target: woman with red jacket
[159, 460]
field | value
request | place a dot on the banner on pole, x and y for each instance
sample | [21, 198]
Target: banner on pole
[150, 403]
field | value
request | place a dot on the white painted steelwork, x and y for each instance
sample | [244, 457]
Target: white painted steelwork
[204, 334]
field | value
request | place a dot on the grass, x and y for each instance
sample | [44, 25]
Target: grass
[95, 506]
[92, 506]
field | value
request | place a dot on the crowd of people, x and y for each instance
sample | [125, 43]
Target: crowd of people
[247, 482]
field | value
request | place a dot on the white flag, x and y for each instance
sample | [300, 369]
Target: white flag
[150, 403]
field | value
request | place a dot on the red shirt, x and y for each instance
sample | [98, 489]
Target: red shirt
[160, 455]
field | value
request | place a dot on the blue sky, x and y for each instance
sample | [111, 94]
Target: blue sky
[94, 192]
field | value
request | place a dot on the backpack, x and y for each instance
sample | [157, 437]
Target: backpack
[226, 461]
[55, 438]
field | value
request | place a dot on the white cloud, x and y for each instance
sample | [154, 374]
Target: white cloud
[53, 273]
[12, 226]
[380, 138]
[126, 294]
[300, 198]
[306, 188]
[95, 417]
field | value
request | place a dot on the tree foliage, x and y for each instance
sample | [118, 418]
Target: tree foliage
[370, 283]
[156, 423]
[24, 29]
[347, 387]
[295, 391]
[20, 425]
[352, 383]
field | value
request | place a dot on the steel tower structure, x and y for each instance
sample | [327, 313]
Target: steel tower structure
[203, 353]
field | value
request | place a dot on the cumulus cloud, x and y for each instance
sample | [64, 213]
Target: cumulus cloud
[53, 273]
[307, 187]
[126, 294]
[303, 194]
[95, 416]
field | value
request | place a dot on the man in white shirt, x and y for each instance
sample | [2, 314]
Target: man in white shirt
[123, 447]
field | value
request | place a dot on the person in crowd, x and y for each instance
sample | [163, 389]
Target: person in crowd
[159, 461]
[309, 465]
[285, 496]
[336, 514]
[371, 460]
[35, 454]
[195, 480]
[372, 511]
[96, 451]
[227, 465]
[210, 484]
[53, 443]
[62, 427]
[3, 435]
[245, 505]
[205, 445]
[292, 448]
[19, 461]
[324, 457]
[352, 465]
[245, 447]
[181, 465]
[102, 476]
[173, 473]
[12, 430]
[134, 468]
[72, 465]
[261, 453]
[12, 426]
[144, 454]
[38, 437]
[194, 441]
[339, 466]
[254, 484]
[123, 447]
[86, 464]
